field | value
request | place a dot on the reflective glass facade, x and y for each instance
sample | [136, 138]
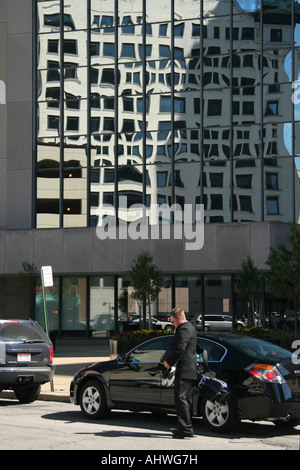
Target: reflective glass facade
[163, 102]
[182, 101]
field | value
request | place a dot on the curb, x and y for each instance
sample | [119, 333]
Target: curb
[44, 396]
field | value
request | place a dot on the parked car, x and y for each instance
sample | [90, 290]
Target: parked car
[215, 322]
[26, 358]
[161, 325]
[104, 321]
[262, 380]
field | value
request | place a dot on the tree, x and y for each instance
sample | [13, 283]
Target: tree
[284, 275]
[28, 279]
[250, 282]
[147, 281]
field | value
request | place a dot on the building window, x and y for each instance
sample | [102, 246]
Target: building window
[246, 203]
[128, 51]
[248, 34]
[272, 205]
[272, 108]
[74, 294]
[214, 108]
[72, 123]
[109, 49]
[272, 180]
[276, 35]
[216, 201]
[244, 181]
[70, 46]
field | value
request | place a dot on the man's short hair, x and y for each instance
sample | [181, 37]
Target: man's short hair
[177, 312]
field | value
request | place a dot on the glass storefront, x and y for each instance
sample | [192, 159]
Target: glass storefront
[86, 305]
[102, 306]
[74, 312]
[188, 294]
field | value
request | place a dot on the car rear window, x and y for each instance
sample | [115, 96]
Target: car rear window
[17, 331]
[259, 349]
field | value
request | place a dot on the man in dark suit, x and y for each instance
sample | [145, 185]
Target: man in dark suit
[183, 354]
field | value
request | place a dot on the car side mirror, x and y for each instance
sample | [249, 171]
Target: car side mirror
[122, 357]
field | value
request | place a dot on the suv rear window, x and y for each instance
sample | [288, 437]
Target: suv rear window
[18, 331]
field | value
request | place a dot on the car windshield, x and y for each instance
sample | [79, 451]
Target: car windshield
[259, 349]
[18, 331]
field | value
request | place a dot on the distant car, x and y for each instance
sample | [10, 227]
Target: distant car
[104, 321]
[263, 382]
[215, 322]
[161, 325]
[26, 358]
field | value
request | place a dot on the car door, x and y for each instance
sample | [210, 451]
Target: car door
[139, 379]
[215, 354]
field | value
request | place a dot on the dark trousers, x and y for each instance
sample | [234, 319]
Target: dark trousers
[183, 392]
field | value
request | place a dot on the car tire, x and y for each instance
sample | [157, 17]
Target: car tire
[28, 394]
[220, 417]
[93, 401]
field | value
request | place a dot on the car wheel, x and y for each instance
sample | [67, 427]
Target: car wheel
[28, 394]
[92, 400]
[220, 417]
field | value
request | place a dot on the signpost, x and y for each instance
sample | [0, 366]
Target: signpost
[47, 281]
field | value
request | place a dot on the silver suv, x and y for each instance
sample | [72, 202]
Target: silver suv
[215, 322]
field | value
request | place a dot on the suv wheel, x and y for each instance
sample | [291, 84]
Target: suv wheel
[28, 394]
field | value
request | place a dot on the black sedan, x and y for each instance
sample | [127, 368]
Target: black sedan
[26, 358]
[263, 381]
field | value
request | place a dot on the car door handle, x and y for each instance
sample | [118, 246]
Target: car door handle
[154, 373]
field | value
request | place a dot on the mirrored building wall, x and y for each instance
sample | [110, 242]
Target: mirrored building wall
[167, 102]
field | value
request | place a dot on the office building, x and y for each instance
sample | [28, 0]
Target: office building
[152, 103]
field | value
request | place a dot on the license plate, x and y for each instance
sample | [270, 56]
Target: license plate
[24, 357]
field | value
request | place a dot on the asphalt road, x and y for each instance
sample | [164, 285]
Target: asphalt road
[60, 426]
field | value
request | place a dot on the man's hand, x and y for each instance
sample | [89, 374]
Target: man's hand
[167, 366]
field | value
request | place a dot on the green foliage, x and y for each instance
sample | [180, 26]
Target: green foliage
[284, 275]
[147, 280]
[140, 335]
[250, 282]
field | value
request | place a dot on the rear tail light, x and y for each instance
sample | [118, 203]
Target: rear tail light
[266, 373]
[51, 354]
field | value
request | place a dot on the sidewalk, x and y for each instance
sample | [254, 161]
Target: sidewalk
[68, 359]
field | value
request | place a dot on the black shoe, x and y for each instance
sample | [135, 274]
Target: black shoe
[182, 434]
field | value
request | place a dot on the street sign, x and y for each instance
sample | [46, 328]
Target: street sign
[47, 276]
[47, 281]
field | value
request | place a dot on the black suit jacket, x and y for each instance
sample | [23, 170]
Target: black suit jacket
[183, 352]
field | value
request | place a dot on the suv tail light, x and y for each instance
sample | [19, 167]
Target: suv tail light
[51, 354]
[266, 373]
